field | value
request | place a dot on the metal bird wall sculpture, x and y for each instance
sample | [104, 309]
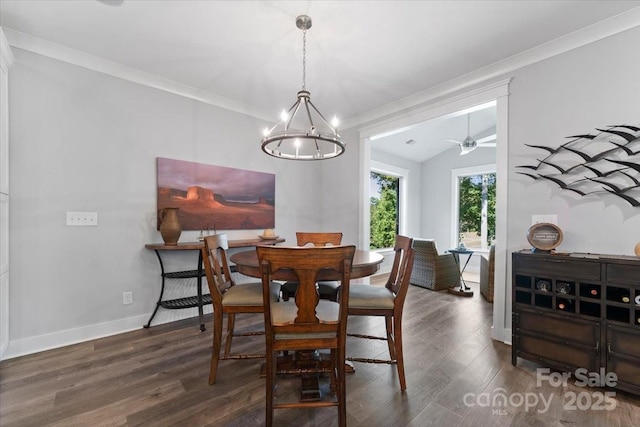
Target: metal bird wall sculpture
[602, 164]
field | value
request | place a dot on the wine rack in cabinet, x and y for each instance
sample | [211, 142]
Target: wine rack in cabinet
[575, 311]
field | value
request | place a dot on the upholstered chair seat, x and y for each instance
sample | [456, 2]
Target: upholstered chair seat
[371, 297]
[248, 294]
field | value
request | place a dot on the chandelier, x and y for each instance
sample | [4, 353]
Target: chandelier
[302, 132]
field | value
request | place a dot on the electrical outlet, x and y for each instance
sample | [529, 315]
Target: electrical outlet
[551, 219]
[82, 219]
[127, 298]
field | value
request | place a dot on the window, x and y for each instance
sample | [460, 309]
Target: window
[474, 198]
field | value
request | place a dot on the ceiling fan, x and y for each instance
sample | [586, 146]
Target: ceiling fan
[469, 144]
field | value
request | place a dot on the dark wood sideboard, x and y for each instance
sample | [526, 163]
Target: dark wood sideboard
[578, 310]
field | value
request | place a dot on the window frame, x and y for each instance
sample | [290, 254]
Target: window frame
[456, 174]
[403, 175]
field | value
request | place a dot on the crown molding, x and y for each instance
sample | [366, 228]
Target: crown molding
[598, 31]
[6, 55]
[72, 56]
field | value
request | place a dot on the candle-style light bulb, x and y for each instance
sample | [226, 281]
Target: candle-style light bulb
[335, 122]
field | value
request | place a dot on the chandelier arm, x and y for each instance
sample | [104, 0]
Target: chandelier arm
[272, 128]
[295, 107]
[307, 101]
[335, 131]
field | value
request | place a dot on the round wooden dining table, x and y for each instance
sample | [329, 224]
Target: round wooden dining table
[365, 263]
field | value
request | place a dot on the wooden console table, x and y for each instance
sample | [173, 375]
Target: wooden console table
[199, 300]
[578, 310]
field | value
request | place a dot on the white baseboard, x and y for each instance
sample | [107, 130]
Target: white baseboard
[504, 335]
[21, 347]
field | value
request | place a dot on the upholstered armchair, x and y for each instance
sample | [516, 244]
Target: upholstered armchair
[487, 272]
[432, 270]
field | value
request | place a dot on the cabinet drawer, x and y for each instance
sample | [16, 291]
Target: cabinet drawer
[623, 341]
[562, 267]
[560, 355]
[573, 330]
[628, 372]
[621, 273]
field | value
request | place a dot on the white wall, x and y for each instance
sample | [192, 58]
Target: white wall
[336, 208]
[414, 190]
[6, 59]
[573, 93]
[437, 218]
[85, 141]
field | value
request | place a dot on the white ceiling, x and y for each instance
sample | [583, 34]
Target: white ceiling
[362, 56]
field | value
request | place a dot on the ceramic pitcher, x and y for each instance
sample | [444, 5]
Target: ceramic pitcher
[170, 228]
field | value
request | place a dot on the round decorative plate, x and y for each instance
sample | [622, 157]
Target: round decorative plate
[544, 236]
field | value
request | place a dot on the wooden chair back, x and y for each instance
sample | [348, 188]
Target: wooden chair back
[216, 266]
[306, 263]
[328, 289]
[309, 323]
[318, 239]
[400, 276]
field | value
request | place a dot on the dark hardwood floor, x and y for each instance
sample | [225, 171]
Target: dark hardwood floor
[158, 377]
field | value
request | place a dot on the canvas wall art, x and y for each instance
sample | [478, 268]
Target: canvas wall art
[215, 197]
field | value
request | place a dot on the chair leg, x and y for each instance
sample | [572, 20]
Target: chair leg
[390, 337]
[333, 374]
[270, 381]
[342, 387]
[231, 321]
[217, 341]
[397, 332]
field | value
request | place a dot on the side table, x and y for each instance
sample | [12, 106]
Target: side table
[461, 289]
[199, 300]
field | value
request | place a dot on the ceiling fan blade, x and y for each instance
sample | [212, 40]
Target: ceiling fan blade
[486, 139]
[487, 145]
[455, 141]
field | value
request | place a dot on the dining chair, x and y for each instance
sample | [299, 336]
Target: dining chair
[229, 298]
[328, 289]
[307, 322]
[387, 301]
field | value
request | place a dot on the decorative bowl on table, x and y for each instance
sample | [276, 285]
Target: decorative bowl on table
[268, 234]
[271, 237]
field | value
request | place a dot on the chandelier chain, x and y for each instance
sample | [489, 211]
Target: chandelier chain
[304, 60]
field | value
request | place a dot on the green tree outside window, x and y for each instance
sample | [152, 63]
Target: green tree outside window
[477, 199]
[384, 211]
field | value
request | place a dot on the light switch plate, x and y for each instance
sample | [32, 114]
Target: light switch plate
[85, 219]
[551, 219]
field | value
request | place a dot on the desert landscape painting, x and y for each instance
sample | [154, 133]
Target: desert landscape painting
[216, 197]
